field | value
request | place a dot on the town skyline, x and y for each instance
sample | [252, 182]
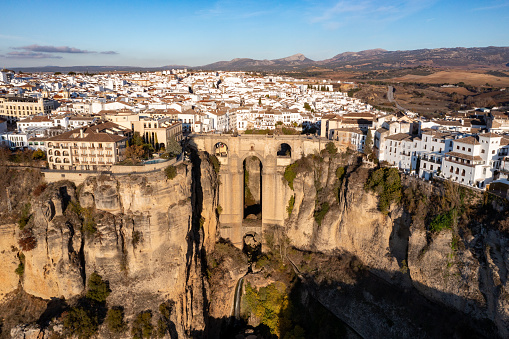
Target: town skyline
[198, 33]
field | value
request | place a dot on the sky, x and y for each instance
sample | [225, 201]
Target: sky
[194, 33]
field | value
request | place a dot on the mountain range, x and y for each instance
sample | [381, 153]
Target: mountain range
[373, 59]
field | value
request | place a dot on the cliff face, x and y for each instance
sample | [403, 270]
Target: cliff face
[141, 233]
[148, 236]
[465, 267]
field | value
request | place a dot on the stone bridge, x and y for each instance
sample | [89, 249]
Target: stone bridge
[275, 152]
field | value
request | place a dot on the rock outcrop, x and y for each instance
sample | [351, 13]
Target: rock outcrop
[141, 233]
[468, 273]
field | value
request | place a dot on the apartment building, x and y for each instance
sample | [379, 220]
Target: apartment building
[14, 108]
[476, 160]
[159, 131]
[349, 138]
[87, 148]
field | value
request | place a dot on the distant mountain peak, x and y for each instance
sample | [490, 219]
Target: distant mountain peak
[295, 57]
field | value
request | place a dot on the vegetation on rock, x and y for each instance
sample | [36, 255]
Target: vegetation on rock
[83, 320]
[25, 216]
[291, 203]
[115, 320]
[98, 289]
[171, 172]
[20, 270]
[321, 212]
[215, 163]
[142, 325]
[331, 148]
[27, 241]
[386, 182]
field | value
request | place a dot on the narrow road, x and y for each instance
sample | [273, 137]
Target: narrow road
[390, 97]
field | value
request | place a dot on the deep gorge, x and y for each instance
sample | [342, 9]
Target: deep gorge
[374, 253]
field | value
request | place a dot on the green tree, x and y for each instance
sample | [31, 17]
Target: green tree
[173, 147]
[115, 320]
[331, 148]
[39, 155]
[142, 325]
[137, 139]
[78, 322]
[307, 107]
[134, 152]
[171, 172]
[98, 289]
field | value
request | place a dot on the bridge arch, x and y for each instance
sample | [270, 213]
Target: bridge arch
[220, 149]
[283, 149]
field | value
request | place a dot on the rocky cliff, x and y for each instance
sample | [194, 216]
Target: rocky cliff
[144, 234]
[462, 265]
[390, 256]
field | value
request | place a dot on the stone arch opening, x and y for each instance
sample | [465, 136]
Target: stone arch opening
[221, 149]
[252, 169]
[284, 150]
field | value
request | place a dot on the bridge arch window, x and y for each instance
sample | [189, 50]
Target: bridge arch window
[221, 149]
[284, 150]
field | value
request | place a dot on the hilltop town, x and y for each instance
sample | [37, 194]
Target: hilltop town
[87, 122]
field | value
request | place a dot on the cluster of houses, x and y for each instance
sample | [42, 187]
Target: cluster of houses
[470, 148]
[85, 121]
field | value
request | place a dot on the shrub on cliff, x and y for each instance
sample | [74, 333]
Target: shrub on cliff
[321, 212]
[39, 189]
[215, 163]
[171, 172]
[164, 324]
[25, 216]
[20, 270]
[115, 320]
[27, 240]
[142, 325]
[443, 221]
[290, 206]
[290, 174]
[83, 320]
[331, 148]
[98, 289]
[80, 322]
[386, 182]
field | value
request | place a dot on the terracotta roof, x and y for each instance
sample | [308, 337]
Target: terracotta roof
[89, 136]
[490, 135]
[468, 140]
[36, 118]
[399, 137]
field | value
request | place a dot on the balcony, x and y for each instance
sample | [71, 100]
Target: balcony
[464, 163]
